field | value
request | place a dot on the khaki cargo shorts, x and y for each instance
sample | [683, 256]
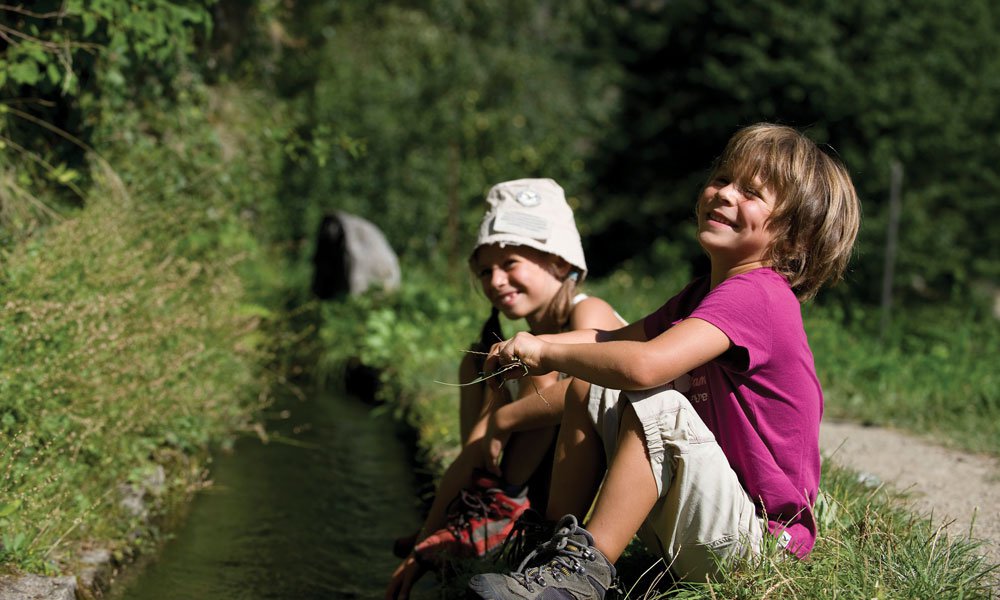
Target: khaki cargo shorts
[703, 515]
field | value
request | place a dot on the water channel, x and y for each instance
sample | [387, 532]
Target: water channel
[311, 514]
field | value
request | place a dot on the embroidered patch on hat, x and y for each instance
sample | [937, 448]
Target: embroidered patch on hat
[528, 198]
[522, 223]
[784, 539]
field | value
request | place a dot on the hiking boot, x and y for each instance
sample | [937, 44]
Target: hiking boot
[479, 520]
[567, 567]
[530, 531]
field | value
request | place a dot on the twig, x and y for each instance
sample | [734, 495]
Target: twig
[44, 163]
[30, 13]
[484, 376]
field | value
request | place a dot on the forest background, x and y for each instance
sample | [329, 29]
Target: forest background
[164, 165]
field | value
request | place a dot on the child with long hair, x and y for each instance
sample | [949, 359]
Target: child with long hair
[717, 455]
[529, 262]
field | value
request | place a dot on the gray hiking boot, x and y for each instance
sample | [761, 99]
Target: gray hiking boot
[567, 567]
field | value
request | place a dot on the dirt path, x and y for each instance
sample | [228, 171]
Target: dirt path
[946, 483]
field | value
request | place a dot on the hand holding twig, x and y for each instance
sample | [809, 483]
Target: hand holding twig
[523, 349]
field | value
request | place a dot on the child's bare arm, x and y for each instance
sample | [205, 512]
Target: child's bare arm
[621, 363]
[633, 331]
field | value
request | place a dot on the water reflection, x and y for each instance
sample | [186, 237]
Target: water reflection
[309, 515]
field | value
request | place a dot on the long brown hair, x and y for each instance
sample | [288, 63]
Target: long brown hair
[561, 305]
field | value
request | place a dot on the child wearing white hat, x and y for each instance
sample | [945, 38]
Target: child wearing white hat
[529, 262]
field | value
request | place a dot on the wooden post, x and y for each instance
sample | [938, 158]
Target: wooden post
[891, 242]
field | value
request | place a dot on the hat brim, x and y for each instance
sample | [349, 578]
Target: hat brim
[502, 240]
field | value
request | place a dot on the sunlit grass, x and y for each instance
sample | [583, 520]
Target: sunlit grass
[129, 343]
[869, 546]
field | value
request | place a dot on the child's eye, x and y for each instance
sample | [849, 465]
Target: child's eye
[483, 273]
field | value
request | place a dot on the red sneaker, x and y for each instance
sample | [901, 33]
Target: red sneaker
[479, 520]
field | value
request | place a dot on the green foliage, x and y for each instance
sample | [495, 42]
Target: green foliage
[136, 330]
[55, 47]
[414, 109]
[413, 338]
[68, 72]
[106, 355]
[877, 80]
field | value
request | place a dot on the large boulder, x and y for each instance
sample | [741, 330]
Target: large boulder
[352, 256]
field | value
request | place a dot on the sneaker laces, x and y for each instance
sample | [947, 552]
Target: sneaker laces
[469, 505]
[565, 558]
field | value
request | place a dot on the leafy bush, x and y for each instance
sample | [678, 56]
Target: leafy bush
[70, 69]
[414, 339]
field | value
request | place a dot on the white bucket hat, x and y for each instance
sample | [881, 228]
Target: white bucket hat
[533, 213]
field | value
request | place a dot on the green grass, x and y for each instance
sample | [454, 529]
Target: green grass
[132, 337]
[934, 372]
[869, 546]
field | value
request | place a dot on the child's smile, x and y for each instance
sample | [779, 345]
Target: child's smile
[732, 222]
[506, 299]
[515, 281]
[715, 217]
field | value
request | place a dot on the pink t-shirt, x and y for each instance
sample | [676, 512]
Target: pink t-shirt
[761, 398]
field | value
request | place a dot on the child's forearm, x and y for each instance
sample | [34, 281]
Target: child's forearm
[623, 365]
[631, 365]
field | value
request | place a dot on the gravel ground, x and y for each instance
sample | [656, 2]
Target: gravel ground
[942, 483]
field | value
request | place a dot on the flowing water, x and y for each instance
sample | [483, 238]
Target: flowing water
[311, 514]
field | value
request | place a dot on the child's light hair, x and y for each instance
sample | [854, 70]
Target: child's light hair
[817, 213]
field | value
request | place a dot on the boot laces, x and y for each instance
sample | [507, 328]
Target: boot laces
[565, 558]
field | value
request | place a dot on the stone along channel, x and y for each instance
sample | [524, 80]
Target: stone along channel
[310, 514]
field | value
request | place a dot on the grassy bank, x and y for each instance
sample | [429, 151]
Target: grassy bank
[136, 332]
[933, 372]
[869, 545]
